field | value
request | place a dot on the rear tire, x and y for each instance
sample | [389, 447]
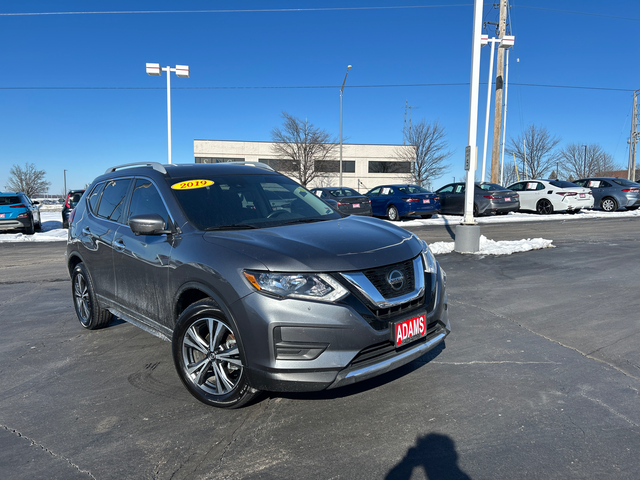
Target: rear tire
[88, 310]
[609, 204]
[392, 213]
[208, 357]
[30, 229]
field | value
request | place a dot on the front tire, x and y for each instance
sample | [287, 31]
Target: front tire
[88, 310]
[609, 204]
[544, 207]
[207, 357]
[392, 213]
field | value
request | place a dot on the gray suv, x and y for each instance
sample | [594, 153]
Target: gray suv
[258, 283]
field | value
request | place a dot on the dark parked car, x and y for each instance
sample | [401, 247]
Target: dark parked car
[488, 198]
[73, 197]
[612, 193]
[347, 199]
[256, 291]
[397, 201]
[18, 211]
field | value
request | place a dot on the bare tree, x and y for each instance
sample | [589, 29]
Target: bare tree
[509, 174]
[580, 161]
[28, 180]
[535, 152]
[427, 149]
[306, 152]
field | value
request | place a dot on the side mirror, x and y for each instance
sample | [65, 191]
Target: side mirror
[148, 224]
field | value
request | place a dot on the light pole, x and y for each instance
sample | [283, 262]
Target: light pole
[181, 71]
[65, 182]
[341, 89]
[468, 232]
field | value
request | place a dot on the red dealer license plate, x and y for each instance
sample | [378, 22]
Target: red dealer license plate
[407, 331]
[356, 205]
[1, 215]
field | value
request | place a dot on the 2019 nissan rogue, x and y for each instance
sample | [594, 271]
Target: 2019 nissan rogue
[258, 283]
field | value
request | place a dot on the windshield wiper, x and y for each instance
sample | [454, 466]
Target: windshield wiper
[234, 226]
[305, 220]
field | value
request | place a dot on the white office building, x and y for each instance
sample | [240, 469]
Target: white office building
[363, 166]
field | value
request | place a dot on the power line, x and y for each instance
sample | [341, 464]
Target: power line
[265, 10]
[617, 17]
[311, 87]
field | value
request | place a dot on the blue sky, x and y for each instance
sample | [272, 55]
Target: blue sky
[74, 94]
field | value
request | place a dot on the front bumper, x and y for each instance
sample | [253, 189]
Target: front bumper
[297, 346]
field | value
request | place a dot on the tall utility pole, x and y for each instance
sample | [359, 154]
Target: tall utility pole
[497, 117]
[633, 139]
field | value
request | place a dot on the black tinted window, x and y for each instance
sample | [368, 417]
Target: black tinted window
[145, 199]
[113, 198]
[562, 184]
[624, 182]
[9, 200]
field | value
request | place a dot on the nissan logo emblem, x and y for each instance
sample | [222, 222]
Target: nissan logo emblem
[396, 279]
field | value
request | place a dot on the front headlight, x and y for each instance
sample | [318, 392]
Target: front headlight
[430, 263]
[308, 286]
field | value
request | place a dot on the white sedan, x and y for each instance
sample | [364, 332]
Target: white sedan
[548, 196]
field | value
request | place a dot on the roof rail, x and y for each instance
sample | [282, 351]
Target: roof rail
[155, 165]
[254, 164]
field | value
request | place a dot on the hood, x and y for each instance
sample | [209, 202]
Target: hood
[347, 244]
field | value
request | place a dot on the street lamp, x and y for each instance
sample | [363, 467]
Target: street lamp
[181, 71]
[341, 89]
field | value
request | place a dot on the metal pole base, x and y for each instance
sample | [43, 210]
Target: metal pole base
[467, 238]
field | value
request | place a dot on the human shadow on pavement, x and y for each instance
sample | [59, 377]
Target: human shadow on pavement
[435, 454]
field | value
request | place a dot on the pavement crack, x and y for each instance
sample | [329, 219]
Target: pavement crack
[524, 327]
[46, 450]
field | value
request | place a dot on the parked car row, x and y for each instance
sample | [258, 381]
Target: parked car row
[544, 196]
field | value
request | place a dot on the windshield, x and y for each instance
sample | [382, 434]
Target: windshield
[409, 189]
[491, 187]
[624, 182]
[248, 201]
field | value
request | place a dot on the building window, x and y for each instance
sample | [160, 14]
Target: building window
[348, 166]
[217, 160]
[389, 167]
[280, 165]
[327, 166]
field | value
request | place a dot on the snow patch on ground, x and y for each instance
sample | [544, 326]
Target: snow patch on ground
[491, 247]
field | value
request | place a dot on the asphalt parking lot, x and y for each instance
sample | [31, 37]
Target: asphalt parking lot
[540, 378]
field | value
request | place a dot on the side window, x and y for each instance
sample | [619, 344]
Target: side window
[460, 188]
[113, 198]
[516, 187]
[447, 189]
[375, 192]
[580, 182]
[540, 186]
[94, 197]
[145, 199]
[604, 184]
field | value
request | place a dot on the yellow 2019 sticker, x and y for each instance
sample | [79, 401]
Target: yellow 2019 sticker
[190, 184]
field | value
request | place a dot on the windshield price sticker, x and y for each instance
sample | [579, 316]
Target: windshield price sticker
[191, 184]
[409, 330]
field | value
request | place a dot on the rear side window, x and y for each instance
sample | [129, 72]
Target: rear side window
[9, 200]
[113, 198]
[145, 199]
[94, 197]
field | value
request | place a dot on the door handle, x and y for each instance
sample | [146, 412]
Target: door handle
[86, 231]
[119, 244]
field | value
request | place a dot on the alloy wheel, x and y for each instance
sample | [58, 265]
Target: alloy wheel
[82, 299]
[211, 356]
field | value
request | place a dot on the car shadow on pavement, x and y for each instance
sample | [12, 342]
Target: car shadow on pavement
[435, 454]
[365, 385]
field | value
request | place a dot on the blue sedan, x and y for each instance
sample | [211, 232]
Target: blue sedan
[397, 201]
